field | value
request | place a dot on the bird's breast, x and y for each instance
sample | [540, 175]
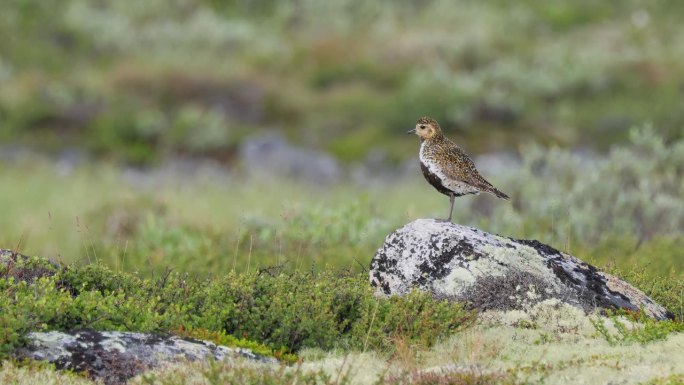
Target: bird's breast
[422, 153]
[429, 160]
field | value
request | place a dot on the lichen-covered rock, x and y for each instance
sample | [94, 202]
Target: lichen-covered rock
[491, 272]
[115, 357]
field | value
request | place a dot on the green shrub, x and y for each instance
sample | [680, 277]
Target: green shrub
[286, 312]
[327, 310]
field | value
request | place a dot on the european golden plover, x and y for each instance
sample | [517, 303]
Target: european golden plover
[446, 167]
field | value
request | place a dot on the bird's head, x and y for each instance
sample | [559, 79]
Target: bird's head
[426, 128]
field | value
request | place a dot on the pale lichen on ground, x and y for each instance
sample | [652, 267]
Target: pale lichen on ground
[557, 344]
[551, 342]
[11, 373]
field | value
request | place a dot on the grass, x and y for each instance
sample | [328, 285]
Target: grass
[211, 221]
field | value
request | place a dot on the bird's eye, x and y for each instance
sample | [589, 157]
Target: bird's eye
[422, 126]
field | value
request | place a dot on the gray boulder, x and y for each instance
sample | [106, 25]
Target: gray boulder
[114, 357]
[491, 272]
[271, 155]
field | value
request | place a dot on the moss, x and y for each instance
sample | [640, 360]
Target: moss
[223, 339]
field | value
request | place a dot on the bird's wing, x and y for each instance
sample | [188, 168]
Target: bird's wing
[460, 167]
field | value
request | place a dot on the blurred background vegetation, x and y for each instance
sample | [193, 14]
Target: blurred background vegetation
[140, 81]
[581, 101]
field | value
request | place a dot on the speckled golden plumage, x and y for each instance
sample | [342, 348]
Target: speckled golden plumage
[446, 167]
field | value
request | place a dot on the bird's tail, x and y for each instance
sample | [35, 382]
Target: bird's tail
[485, 186]
[499, 194]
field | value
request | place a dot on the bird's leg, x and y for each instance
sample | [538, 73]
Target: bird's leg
[451, 209]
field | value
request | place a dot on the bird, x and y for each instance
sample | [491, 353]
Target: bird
[446, 166]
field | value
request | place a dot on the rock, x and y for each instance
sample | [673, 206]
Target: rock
[13, 153]
[114, 357]
[69, 160]
[271, 155]
[491, 272]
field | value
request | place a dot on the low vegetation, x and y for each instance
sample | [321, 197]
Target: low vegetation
[284, 312]
[115, 89]
[326, 327]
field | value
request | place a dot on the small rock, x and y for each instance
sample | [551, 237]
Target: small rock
[491, 272]
[271, 155]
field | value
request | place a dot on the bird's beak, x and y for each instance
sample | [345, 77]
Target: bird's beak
[411, 131]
